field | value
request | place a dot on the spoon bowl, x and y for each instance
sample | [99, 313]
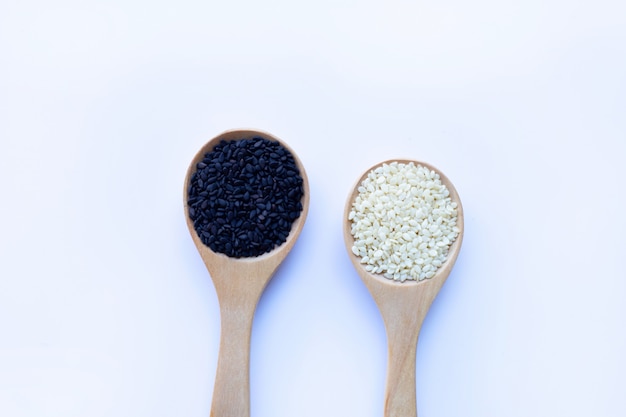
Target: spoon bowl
[239, 283]
[403, 305]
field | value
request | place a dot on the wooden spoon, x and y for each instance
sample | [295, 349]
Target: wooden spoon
[239, 283]
[403, 306]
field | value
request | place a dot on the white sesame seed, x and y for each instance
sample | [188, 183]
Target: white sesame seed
[403, 221]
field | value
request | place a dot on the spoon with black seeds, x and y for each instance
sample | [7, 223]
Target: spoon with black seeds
[246, 198]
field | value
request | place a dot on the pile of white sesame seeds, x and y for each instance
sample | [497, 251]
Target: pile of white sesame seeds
[403, 222]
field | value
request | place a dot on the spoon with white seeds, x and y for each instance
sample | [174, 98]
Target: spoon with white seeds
[403, 299]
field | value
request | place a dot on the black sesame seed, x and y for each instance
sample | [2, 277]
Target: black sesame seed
[245, 196]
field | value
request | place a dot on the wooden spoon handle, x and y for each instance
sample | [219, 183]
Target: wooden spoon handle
[400, 390]
[231, 392]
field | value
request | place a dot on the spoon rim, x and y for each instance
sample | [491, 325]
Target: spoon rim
[296, 226]
[444, 270]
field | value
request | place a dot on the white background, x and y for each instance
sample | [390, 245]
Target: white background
[107, 310]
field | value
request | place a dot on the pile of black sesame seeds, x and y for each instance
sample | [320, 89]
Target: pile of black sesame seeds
[244, 197]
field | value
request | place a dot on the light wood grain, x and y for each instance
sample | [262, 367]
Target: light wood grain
[403, 306]
[239, 283]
